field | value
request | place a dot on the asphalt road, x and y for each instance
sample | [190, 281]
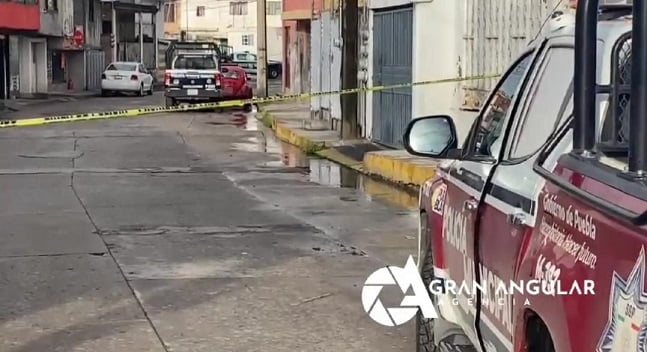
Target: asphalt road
[187, 232]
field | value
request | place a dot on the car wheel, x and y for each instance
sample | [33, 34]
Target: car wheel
[425, 341]
[150, 90]
[141, 90]
[274, 73]
[170, 102]
[104, 93]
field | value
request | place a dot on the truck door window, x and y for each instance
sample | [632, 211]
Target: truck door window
[490, 128]
[544, 101]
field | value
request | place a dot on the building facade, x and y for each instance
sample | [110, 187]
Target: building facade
[22, 22]
[475, 38]
[231, 23]
[325, 62]
[297, 28]
[135, 35]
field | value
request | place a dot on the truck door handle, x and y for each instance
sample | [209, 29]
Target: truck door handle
[517, 219]
[470, 205]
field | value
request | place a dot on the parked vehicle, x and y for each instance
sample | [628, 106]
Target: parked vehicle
[130, 77]
[194, 75]
[248, 61]
[538, 192]
[234, 84]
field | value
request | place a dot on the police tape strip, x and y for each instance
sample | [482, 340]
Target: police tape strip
[223, 104]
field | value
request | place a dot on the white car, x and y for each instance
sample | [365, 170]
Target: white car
[126, 77]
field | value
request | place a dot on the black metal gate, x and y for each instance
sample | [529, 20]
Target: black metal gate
[392, 62]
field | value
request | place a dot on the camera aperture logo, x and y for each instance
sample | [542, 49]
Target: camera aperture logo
[493, 292]
[406, 278]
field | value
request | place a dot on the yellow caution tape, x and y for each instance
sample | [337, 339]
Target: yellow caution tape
[37, 121]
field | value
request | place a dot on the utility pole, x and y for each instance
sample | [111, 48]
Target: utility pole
[261, 49]
[350, 51]
[114, 32]
[141, 38]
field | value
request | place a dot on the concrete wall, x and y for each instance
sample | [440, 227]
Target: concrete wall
[90, 20]
[14, 65]
[439, 22]
[326, 56]
[298, 7]
[57, 23]
[33, 78]
[126, 29]
[296, 61]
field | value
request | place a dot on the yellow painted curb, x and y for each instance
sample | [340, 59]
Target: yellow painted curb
[288, 135]
[399, 169]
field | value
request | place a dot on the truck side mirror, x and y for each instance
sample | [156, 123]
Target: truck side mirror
[431, 136]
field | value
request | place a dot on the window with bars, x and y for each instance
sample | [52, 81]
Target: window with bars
[273, 8]
[615, 128]
[199, 11]
[238, 8]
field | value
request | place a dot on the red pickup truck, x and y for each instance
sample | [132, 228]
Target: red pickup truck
[550, 185]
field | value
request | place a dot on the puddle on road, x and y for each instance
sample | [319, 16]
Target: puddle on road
[322, 171]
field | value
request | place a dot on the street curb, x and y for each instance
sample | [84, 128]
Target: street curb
[399, 167]
[292, 136]
[395, 166]
[339, 158]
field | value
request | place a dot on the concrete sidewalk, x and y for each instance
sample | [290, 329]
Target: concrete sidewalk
[292, 124]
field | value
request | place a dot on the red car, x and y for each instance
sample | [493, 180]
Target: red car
[234, 83]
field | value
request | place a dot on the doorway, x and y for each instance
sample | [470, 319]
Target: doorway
[33, 72]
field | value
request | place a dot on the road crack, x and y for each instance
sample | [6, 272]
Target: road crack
[121, 271]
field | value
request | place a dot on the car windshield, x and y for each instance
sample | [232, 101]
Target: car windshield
[122, 67]
[195, 63]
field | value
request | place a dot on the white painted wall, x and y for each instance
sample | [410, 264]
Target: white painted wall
[26, 72]
[217, 20]
[438, 51]
[274, 42]
[56, 23]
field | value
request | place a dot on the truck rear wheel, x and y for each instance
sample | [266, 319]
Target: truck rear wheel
[170, 102]
[539, 339]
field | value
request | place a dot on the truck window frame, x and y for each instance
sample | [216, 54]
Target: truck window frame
[469, 145]
[511, 154]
